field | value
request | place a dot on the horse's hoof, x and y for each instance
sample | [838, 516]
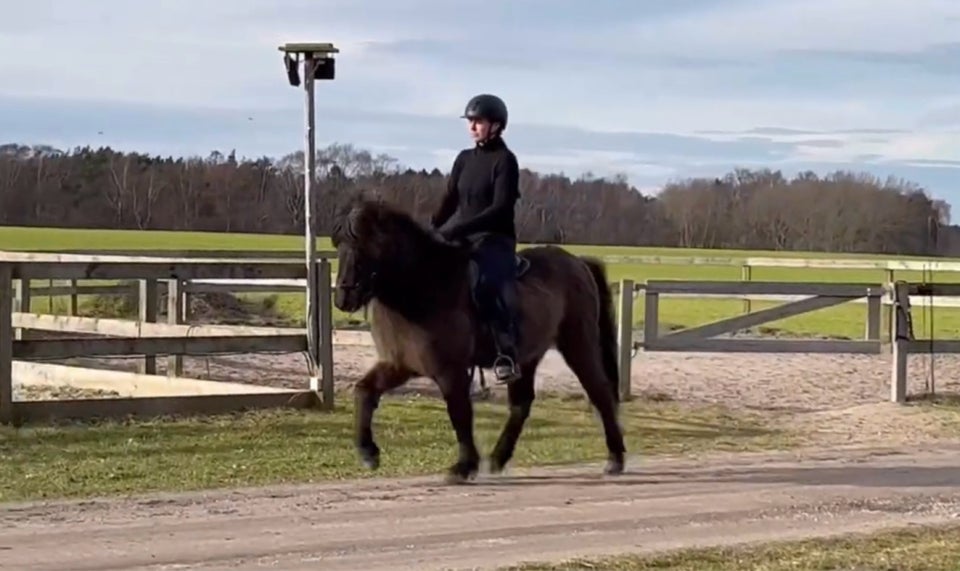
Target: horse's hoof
[454, 479]
[614, 467]
[495, 466]
[370, 458]
[462, 472]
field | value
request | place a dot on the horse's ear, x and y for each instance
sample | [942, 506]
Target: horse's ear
[355, 214]
[356, 198]
[367, 195]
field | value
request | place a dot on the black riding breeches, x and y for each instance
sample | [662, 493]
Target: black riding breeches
[495, 257]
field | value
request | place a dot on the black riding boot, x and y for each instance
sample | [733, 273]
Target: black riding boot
[495, 257]
[505, 367]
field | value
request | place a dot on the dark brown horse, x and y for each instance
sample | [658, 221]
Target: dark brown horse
[424, 323]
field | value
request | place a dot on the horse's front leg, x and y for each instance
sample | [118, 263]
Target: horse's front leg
[378, 380]
[455, 386]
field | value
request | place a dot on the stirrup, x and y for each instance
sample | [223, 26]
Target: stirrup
[505, 369]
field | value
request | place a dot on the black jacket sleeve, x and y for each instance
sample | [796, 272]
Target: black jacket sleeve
[506, 189]
[448, 205]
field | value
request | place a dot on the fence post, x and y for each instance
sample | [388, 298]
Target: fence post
[21, 302]
[625, 338]
[874, 303]
[651, 316]
[746, 274]
[74, 305]
[900, 335]
[147, 302]
[889, 309]
[174, 317]
[325, 301]
[6, 343]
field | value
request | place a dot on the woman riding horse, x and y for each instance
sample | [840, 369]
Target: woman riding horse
[479, 208]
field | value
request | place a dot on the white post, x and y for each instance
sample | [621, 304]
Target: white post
[315, 57]
[309, 223]
[6, 342]
[899, 335]
[175, 317]
[625, 338]
[147, 302]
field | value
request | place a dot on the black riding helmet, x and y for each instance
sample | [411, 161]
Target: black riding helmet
[489, 107]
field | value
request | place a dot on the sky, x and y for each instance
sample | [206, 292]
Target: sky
[657, 90]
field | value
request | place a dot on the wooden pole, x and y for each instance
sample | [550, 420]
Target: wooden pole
[21, 303]
[175, 317]
[147, 302]
[625, 337]
[325, 351]
[900, 334]
[316, 58]
[746, 274]
[310, 227]
[6, 343]
[74, 299]
[874, 308]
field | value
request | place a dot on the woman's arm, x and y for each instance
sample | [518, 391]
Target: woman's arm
[448, 205]
[506, 189]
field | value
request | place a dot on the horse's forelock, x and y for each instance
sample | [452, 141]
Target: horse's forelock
[384, 231]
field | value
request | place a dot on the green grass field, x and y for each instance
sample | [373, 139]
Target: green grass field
[283, 446]
[845, 321]
[914, 549]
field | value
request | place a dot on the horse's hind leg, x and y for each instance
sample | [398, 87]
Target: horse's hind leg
[583, 357]
[521, 395]
[381, 378]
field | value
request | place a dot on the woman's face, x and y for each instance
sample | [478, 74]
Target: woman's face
[480, 129]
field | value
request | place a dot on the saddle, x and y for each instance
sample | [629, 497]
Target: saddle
[521, 267]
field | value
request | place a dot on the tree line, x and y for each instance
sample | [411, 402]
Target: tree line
[745, 209]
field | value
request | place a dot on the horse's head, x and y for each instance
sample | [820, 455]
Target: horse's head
[380, 247]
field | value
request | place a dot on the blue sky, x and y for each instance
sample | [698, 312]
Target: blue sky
[657, 90]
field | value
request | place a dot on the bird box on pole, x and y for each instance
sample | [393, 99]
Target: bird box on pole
[318, 64]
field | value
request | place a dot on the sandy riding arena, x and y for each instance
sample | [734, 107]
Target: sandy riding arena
[841, 398]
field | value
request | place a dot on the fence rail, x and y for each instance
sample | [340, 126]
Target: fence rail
[903, 339]
[821, 296]
[148, 275]
[279, 285]
[145, 337]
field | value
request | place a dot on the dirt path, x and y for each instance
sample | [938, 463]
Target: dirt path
[535, 515]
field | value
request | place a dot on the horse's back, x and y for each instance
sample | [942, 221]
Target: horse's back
[552, 267]
[558, 287]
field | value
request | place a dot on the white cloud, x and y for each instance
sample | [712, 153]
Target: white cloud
[759, 27]
[643, 69]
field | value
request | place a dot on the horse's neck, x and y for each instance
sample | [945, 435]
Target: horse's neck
[427, 289]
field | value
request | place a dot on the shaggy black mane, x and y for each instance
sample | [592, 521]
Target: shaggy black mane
[382, 230]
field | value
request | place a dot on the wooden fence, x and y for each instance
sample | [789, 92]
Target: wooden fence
[179, 273]
[904, 341]
[225, 285]
[146, 338]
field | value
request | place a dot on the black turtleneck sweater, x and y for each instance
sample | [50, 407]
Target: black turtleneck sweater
[483, 189]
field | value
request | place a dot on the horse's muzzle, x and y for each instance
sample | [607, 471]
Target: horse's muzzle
[347, 298]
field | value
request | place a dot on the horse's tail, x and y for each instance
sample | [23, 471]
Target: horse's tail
[608, 331]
